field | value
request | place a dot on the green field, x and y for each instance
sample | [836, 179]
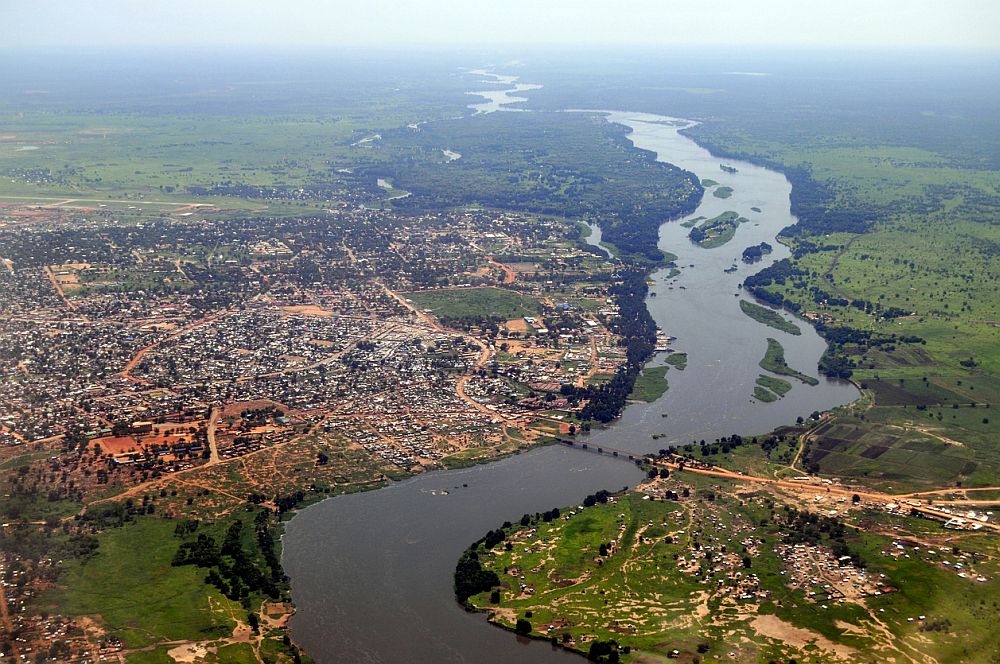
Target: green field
[934, 261]
[774, 361]
[475, 303]
[132, 589]
[769, 317]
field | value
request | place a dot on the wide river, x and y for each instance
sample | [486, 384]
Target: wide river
[372, 572]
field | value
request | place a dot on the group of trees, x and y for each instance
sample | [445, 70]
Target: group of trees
[470, 577]
[243, 565]
[637, 330]
[606, 652]
[756, 252]
[804, 527]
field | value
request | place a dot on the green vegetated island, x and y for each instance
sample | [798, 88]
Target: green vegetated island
[770, 388]
[769, 317]
[652, 381]
[650, 385]
[677, 360]
[722, 192]
[716, 231]
[774, 361]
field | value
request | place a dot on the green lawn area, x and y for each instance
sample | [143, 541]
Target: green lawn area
[132, 589]
[475, 303]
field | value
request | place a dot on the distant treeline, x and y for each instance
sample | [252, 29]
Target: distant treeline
[570, 165]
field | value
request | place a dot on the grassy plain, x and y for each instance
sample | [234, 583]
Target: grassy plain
[932, 254]
[483, 303]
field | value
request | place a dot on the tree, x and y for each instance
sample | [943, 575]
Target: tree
[471, 578]
[523, 627]
[604, 652]
[855, 499]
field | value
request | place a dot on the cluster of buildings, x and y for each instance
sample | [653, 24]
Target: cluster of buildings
[33, 637]
[824, 577]
[124, 318]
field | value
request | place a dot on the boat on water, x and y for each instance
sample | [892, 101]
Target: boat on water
[663, 341]
[728, 169]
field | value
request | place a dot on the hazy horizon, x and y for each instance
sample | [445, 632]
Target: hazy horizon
[436, 24]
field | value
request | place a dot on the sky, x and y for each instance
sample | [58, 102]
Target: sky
[949, 24]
